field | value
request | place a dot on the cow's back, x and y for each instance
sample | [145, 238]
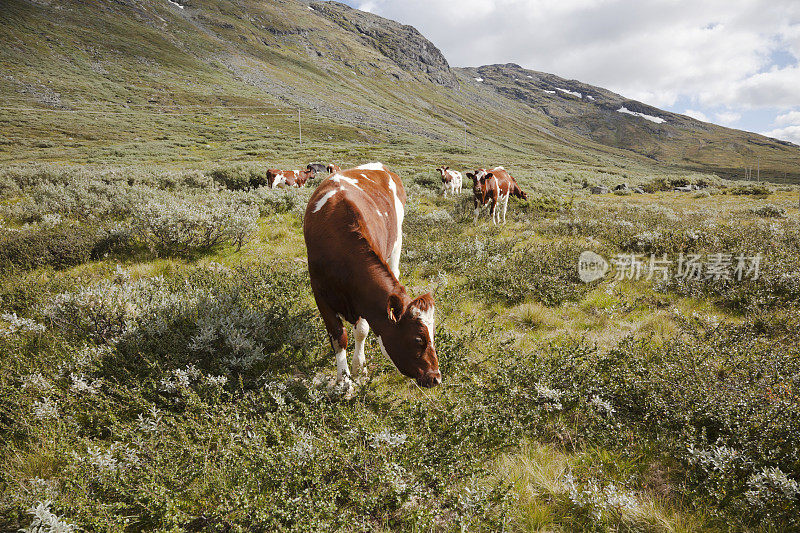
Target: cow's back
[505, 181]
[352, 212]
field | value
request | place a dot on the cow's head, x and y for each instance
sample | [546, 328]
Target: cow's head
[409, 343]
[446, 177]
[304, 175]
[481, 177]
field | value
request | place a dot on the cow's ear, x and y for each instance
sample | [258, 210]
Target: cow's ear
[470, 175]
[394, 307]
[424, 303]
[489, 175]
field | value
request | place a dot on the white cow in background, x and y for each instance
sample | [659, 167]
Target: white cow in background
[451, 181]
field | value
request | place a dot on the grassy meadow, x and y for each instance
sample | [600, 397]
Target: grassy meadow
[164, 367]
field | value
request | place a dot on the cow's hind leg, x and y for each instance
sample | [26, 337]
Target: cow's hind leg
[360, 332]
[505, 206]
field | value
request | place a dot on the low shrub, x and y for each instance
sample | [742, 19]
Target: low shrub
[751, 190]
[769, 211]
[182, 226]
[62, 246]
[239, 178]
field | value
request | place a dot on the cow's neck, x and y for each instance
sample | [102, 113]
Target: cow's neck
[374, 297]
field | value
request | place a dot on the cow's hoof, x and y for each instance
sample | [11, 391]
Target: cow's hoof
[344, 388]
[360, 376]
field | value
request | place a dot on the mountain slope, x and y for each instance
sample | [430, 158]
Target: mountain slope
[187, 80]
[614, 120]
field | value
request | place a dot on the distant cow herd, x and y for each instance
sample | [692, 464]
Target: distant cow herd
[490, 188]
[353, 229]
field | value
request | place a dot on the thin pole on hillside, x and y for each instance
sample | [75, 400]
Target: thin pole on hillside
[299, 126]
[465, 136]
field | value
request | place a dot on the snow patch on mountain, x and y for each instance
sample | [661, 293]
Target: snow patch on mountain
[651, 118]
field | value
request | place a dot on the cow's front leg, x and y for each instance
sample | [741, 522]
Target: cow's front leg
[337, 335]
[360, 332]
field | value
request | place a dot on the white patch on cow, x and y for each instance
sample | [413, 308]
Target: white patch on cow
[504, 202]
[280, 181]
[339, 178]
[499, 168]
[383, 348]
[495, 212]
[394, 257]
[379, 212]
[322, 201]
[360, 332]
[342, 370]
[372, 166]
[427, 319]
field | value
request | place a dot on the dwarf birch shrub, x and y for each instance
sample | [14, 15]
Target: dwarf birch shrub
[61, 246]
[179, 226]
[240, 177]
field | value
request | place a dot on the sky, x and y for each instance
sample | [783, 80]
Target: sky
[729, 62]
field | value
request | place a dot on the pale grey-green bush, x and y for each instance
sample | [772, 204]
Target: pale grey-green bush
[180, 226]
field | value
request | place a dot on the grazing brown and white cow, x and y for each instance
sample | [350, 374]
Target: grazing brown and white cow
[485, 191]
[288, 178]
[494, 187]
[354, 233]
[451, 181]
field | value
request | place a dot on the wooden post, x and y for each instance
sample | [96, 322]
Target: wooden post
[299, 126]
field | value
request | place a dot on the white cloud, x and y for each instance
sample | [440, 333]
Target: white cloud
[792, 117]
[791, 127]
[697, 115]
[712, 53]
[789, 133]
[727, 118]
